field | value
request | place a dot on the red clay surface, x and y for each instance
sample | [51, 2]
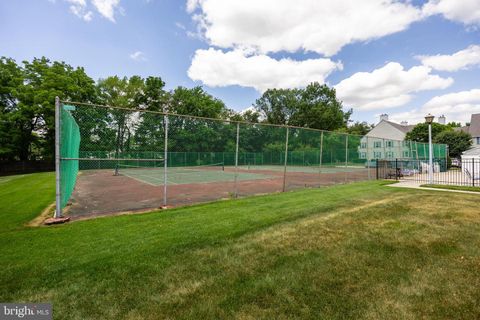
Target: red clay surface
[99, 192]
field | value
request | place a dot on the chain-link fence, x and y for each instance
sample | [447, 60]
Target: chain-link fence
[115, 160]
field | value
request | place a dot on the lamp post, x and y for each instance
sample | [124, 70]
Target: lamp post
[429, 119]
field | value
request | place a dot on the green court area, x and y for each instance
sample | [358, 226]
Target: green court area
[188, 175]
[304, 169]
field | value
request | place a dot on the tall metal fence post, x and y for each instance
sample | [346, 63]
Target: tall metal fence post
[376, 167]
[346, 157]
[396, 169]
[58, 190]
[321, 153]
[446, 158]
[473, 172]
[165, 163]
[285, 163]
[368, 159]
[236, 160]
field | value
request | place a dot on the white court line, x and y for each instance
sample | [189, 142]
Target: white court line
[145, 179]
[139, 180]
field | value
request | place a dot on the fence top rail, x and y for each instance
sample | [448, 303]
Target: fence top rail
[85, 104]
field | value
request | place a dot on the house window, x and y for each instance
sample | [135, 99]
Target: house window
[377, 144]
[363, 155]
[389, 144]
[363, 145]
[389, 154]
[478, 140]
[406, 154]
[377, 155]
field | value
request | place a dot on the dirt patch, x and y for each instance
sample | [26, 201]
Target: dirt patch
[46, 213]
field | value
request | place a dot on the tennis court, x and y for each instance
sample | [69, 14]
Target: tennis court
[114, 160]
[187, 175]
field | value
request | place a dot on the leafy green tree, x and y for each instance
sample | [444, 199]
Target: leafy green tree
[320, 109]
[31, 101]
[277, 106]
[315, 106]
[126, 93]
[192, 134]
[151, 131]
[11, 77]
[420, 132]
[196, 102]
[457, 141]
[359, 128]
[251, 116]
[454, 124]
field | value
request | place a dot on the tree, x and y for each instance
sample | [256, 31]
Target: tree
[420, 132]
[11, 77]
[193, 134]
[277, 106]
[359, 128]
[196, 102]
[126, 93]
[457, 141]
[316, 106]
[320, 109]
[27, 99]
[454, 124]
[150, 133]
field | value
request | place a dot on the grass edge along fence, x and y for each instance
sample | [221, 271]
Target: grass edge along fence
[90, 136]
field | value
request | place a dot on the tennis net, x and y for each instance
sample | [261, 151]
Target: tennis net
[159, 168]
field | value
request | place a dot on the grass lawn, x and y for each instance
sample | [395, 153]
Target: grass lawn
[449, 187]
[351, 251]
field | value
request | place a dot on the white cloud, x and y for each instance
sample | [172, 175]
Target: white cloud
[465, 11]
[457, 106]
[107, 8]
[322, 26]
[138, 56]
[459, 60]
[216, 68]
[387, 87]
[192, 5]
[180, 26]
[453, 99]
[79, 8]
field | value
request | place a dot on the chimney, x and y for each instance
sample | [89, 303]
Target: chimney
[404, 123]
[384, 117]
[442, 119]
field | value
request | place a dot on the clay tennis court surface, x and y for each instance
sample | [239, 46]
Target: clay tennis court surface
[100, 193]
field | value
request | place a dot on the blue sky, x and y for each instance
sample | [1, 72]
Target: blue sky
[236, 49]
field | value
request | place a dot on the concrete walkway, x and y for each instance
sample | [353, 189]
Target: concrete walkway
[416, 185]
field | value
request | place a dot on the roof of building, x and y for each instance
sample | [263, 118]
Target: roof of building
[474, 127]
[463, 129]
[475, 151]
[404, 129]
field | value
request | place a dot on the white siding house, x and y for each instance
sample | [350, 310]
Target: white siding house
[386, 141]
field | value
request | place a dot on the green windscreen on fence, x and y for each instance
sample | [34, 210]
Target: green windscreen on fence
[69, 149]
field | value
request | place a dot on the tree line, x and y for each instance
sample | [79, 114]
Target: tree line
[28, 90]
